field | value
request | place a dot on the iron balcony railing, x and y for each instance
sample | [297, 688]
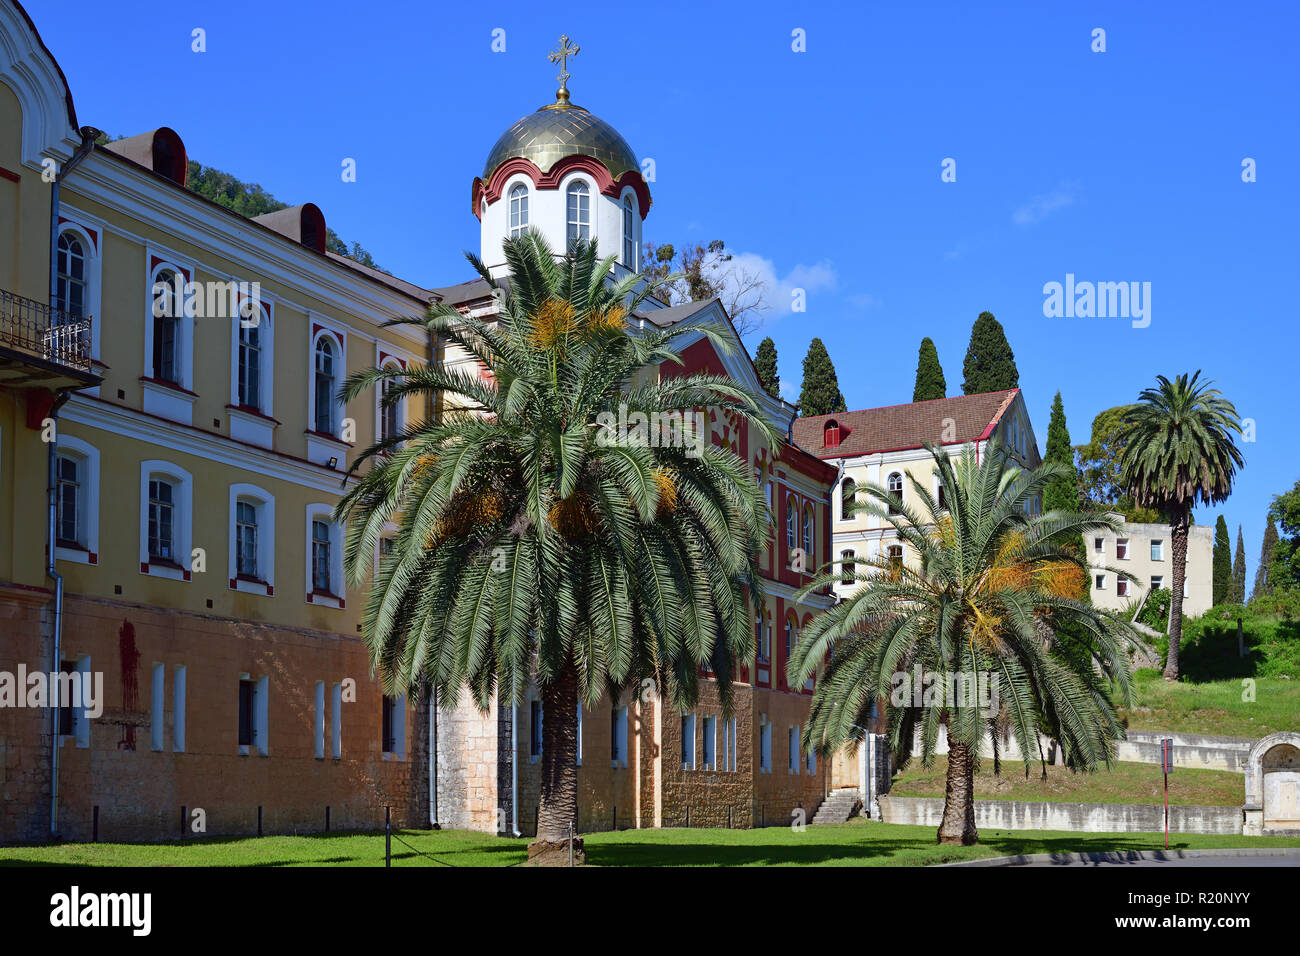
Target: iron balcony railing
[44, 331]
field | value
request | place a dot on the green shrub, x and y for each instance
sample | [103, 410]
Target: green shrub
[1155, 613]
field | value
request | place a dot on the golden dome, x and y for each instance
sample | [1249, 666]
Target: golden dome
[559, 130]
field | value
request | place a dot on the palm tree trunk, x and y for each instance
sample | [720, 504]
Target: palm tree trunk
[958, 824]
[1178, 531]
[557, 808]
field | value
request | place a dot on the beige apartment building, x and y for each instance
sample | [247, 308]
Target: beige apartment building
[1143, 551]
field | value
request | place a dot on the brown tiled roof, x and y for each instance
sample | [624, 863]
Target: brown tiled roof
[897, 427]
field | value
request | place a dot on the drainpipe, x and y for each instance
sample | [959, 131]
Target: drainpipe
[88, 136]
[51, 532]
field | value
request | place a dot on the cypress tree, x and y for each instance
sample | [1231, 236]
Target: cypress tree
[765, 362]
[990, 364]
[1062, 494]
[1221, 574]
[1262, 584]
[930, 383]
[1238, 594]
[820, 394]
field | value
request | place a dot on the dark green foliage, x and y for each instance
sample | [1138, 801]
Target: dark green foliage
[1237, 595]
[765, 363]
[1284, 567]
[1155, 612]
[1262, 583]
[990, 364]
[1221, 576]
[1098, 467]
[251, 200]
[821, 390]
[930, 382]
[1062, 493]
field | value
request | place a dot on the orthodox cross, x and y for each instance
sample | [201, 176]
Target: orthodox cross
[561, 56]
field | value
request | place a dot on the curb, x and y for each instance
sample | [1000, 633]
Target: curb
[1128, 856]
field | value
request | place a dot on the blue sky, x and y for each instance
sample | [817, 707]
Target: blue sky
[825, 165]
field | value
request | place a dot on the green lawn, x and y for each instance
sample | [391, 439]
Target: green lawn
[858, 843]
[1123, 783]
[1215, 707]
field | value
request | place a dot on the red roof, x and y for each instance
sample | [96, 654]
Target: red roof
[941, 421]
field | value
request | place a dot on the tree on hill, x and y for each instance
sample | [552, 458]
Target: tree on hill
[1237, 595]
[251, 200]
[701, 272]
[820, 394]
[990, 364]
[1180, 452]
[765, 363]
[1262, 583]
[1221, 575]
[1284, 566]
[930, 383]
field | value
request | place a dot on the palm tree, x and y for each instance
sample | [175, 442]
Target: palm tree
[534, 539]
[986, 572]
[1179, 452]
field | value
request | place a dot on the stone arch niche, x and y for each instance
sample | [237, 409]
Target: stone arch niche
[1273, 785]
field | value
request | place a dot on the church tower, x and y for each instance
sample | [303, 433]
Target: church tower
[566, 172]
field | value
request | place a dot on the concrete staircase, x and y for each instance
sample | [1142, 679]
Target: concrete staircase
[840, 806]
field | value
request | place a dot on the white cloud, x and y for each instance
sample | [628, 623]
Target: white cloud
[1040, 207]
[779, 294]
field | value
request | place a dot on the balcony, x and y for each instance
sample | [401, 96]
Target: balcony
[43, 347]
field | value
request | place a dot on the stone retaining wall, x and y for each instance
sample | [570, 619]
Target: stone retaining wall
[1081, 817]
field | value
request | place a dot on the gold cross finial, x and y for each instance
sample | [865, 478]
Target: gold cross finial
[561, 56]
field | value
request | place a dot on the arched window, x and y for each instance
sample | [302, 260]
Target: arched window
[326, 385]
[790, 509]
[791, 637]
[390, 417]
[579, 212]
[250, 364]
[831, 434]
[321, 557]
[895, 558]
[70, 297]
[760, 637]
[848, 496]
[167, 310]
[895, 488]
[162, 520]
[629, 240]
[518, 209]
[809, 522]
[942, 498]
[246, 539]
[848, 569]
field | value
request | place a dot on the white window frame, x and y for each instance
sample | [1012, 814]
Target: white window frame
[1099, 582]
[1157, 549]
[263, 503]
[266, 356]
[324, 512]
[336, 721]
[1121, 543]
[87, 457]
[1121, 587]
[573, 227]
[320, 720]
[182, 518]
[1098, 545]
[517, 209]
[184, 321]
[398, 705]
[809, 539]
[629, 250]
[1154, 579]
[92, 280]
[688, 741]
[390, 363]
[261, 716]
[889, 487]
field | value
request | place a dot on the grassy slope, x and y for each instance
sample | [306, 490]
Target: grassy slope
[1215, 707]
[858, 843]
[1123, 783]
